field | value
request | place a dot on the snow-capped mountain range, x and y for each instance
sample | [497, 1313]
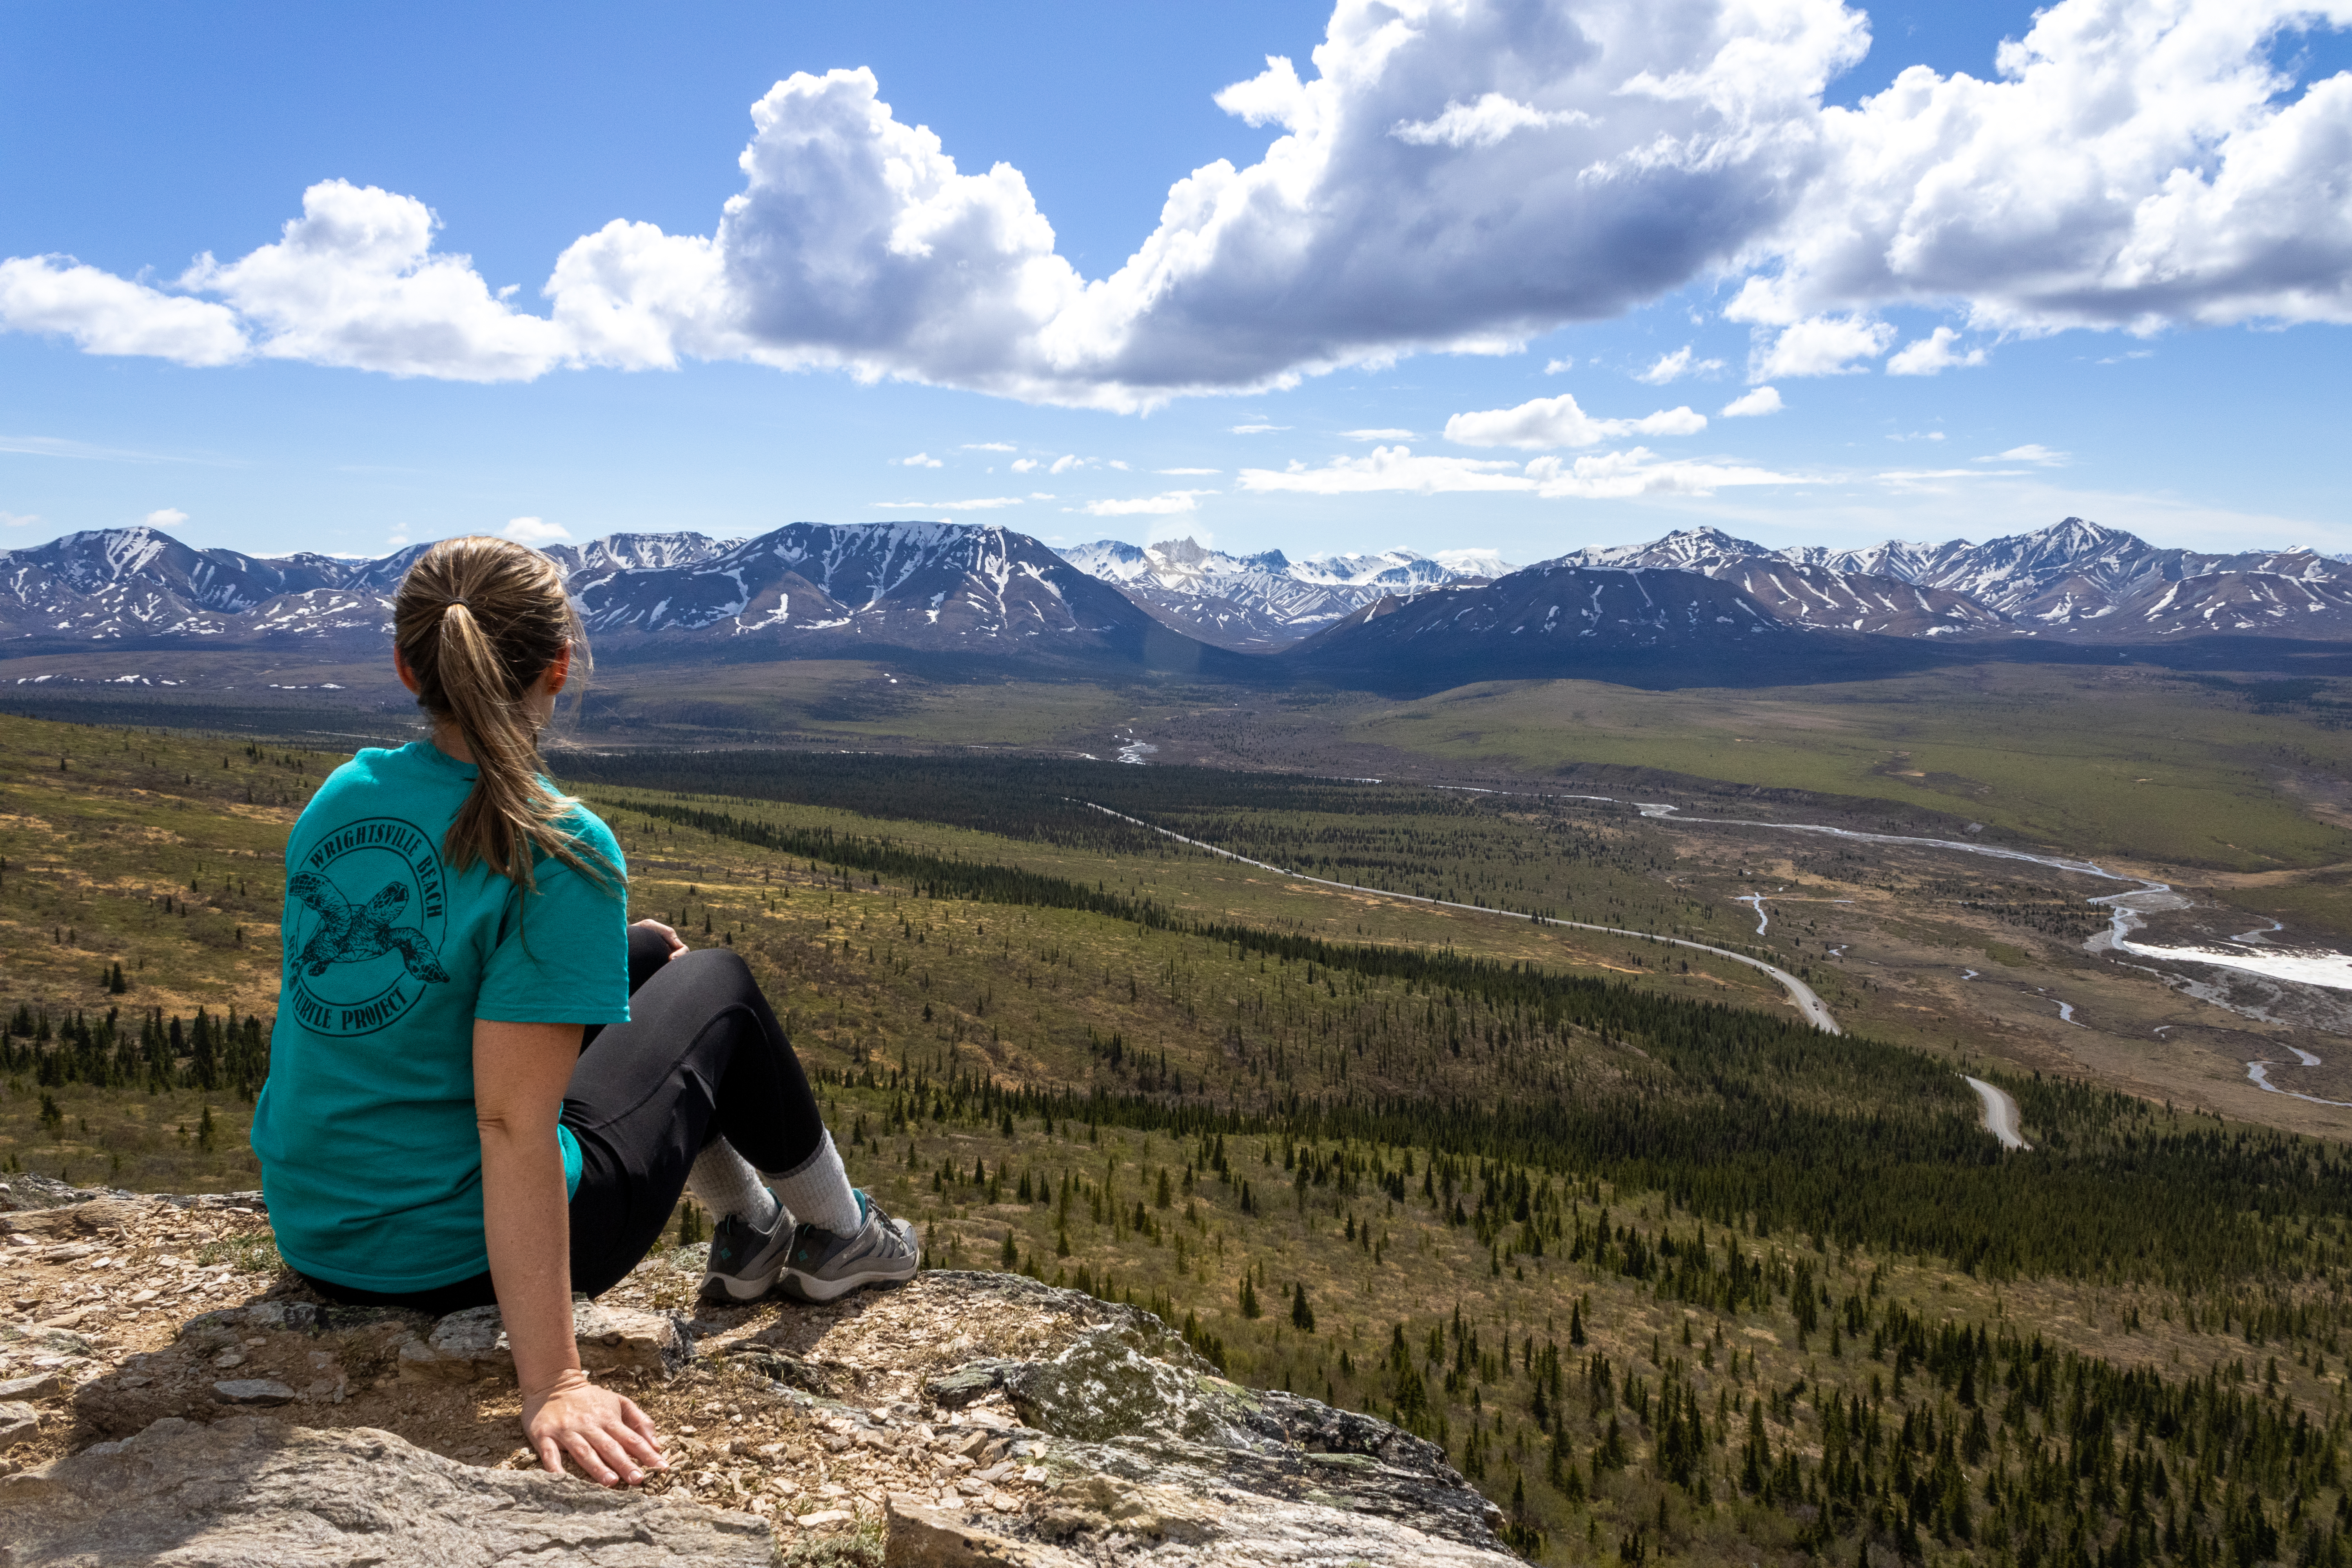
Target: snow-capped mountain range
[802, 588]
[836, 590]
[1255, 604]
[2073, 579]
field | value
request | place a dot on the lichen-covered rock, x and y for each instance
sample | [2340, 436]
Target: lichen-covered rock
[250, 1492]
[1103, 1388]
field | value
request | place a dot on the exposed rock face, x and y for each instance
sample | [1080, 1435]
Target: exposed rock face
[1127, 1401]
[979, 1417]
[250, 1490]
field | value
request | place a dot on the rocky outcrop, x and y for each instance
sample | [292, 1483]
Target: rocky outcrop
[1150, 1448]
[963, 1418]
[249, 1490]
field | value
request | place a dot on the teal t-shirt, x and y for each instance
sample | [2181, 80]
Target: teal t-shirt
[371, 1160]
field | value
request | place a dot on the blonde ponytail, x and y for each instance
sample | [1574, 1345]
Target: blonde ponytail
[479, 620]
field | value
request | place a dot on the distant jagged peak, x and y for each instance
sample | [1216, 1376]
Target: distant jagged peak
[106, 553]
[1473, 564]
[2082, 534]
[1686, 549]
[1190, 556]
[2071, 540]
[899, 544]
[634, 551]
[1112, 560]
[1909, 560]
[1184, 551]
[1172, 562]
[1401, 568]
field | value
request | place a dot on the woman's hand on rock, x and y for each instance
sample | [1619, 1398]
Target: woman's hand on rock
[677, 943]
[603, 1433]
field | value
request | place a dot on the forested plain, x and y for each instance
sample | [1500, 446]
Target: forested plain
[1670, 1275]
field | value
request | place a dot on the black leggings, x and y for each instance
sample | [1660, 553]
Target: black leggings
[702, 1056]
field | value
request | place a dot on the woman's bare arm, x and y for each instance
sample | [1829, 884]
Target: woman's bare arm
[519, 1074]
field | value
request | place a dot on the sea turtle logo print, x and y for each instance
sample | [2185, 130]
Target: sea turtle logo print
[369, 943]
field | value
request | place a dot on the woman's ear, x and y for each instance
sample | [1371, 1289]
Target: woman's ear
[399, 668]
[560, 671]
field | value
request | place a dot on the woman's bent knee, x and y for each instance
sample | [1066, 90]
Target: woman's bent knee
[717, 967]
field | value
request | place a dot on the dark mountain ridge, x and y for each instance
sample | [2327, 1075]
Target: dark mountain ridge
[1697, 606]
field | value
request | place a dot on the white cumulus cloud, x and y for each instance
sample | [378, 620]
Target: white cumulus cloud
[990, 446]
[1748, 405]
[919, 461]
[354, 282]
[1390, 468]
[1561, 366]
[1636, 472]
[104, 314]
[2032, 452]
[1931, 354]
[1376, 434]
[2127, 163]
[1679, 363]
[1603, 476]
[1163, 505]
[1450, 176]
[534, 530]
[19, 519]
[165, 517]
[1257, 429]
[1822, 345]
[1024, 465]
[1559, 422]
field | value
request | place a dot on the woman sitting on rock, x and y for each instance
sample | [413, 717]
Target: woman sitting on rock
[485, 1084]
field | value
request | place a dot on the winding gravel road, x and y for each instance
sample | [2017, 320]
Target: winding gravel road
[2000, 1114]
[1800, 995]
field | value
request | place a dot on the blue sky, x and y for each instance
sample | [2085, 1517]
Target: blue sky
[2197, 409]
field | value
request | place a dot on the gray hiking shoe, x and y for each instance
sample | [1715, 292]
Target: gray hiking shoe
[745, 1260]
[824, 1267]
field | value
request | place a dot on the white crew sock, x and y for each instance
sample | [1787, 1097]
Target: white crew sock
[818, 1192]
[728, 1187]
